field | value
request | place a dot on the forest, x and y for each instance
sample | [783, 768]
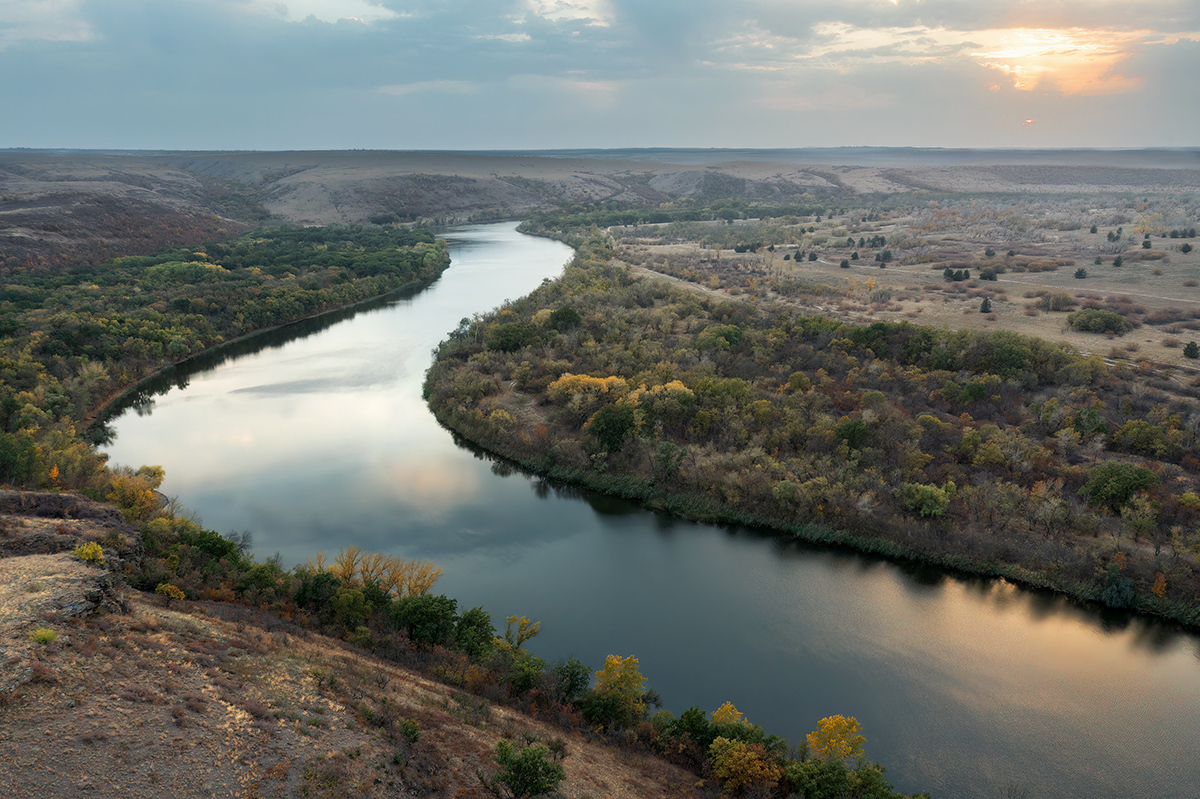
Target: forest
[71, 339]
[986, 451]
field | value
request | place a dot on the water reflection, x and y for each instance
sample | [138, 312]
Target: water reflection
[962, 684]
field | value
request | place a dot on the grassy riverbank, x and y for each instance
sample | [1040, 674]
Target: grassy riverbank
[994, 454]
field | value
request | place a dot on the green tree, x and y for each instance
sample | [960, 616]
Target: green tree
[1113, 483]
[611, 424]
[570, 680]
[1191, 350]
[927, 499]
[522, 773]
[986, 305]
[428, 620]
[565, 318]
[474, 634]
[510, 337]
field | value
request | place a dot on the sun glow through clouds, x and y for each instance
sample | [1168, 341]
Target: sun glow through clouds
[1071, 61]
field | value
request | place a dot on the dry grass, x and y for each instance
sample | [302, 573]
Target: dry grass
[1164, 292]
[183, 703]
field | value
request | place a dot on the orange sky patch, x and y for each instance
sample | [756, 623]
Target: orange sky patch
[1072, 61]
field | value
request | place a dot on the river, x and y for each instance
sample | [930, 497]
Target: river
[317, 437]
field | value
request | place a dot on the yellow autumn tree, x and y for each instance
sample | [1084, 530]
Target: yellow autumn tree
[399, 577]
[620, 678]
[136, 493]
[836, 738]
[569, 385]
[520, 629]
[728, 714]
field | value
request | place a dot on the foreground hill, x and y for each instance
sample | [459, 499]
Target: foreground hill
[135, 698]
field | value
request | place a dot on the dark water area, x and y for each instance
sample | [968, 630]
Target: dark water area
[964, 687]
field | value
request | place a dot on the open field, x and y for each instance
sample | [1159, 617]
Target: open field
[1034, 288]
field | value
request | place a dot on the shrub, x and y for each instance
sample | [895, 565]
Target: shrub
[91, 552]
[1094, 320]
[565, 318]
[510, 337]
[43, 635]
[171, 592]
[523, 773]
[1081, 273]
[741, 766]
[926, 499]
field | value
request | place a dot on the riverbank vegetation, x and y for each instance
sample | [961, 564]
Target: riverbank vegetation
[72, 338]
[994, 453]
[384, 606]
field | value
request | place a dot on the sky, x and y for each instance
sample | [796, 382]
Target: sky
[538, 74]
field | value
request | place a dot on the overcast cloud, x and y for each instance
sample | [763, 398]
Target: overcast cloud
[488, 74]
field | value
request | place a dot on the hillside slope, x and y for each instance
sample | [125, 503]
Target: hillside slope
[138, 699]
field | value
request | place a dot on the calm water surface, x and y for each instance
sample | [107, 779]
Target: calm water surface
[963, 687]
